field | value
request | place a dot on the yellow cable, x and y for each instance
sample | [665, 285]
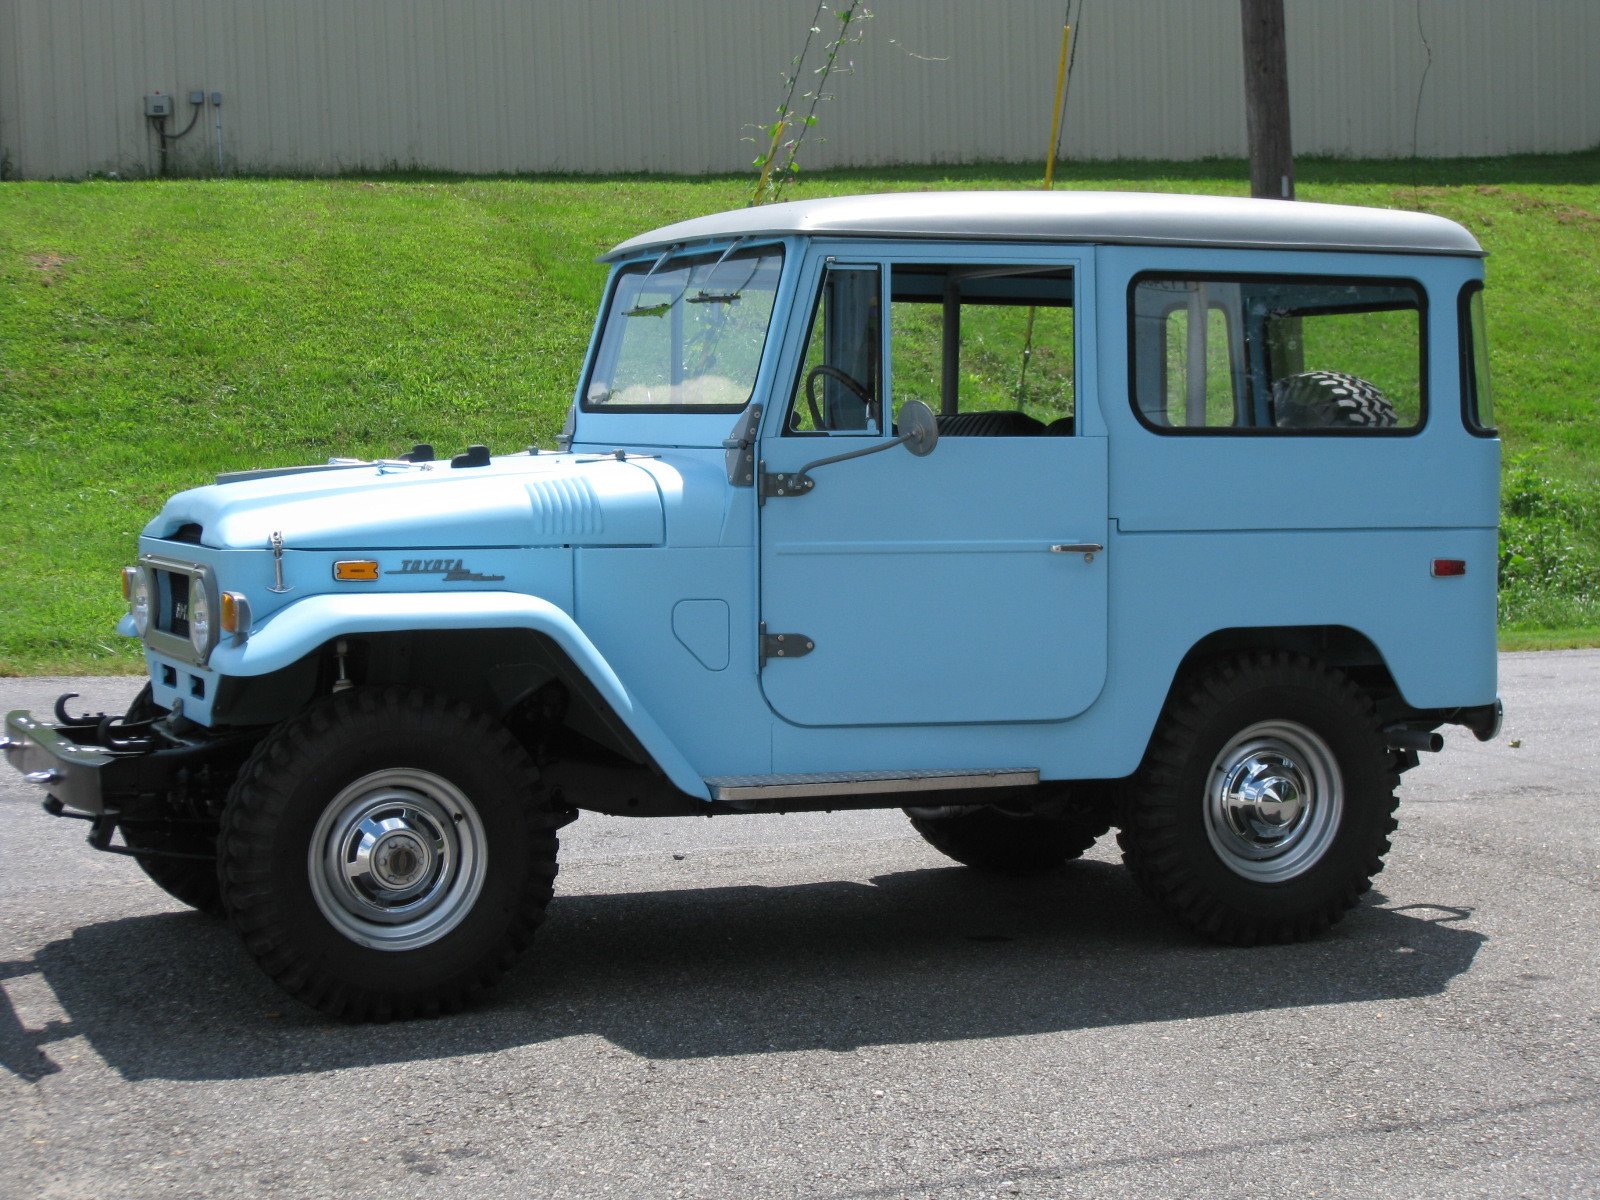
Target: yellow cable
[1055, 120]
[1049, 182]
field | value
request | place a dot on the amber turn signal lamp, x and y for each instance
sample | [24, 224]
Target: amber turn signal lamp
[356, 570]
[235, 613]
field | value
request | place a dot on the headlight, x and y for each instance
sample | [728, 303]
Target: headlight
[136, 590]
[199, 618]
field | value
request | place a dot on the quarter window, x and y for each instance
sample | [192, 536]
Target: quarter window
[839, 384]
[1475, 390]
[1232, 354]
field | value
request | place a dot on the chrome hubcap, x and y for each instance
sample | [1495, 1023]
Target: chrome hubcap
[1274, 798]
[397, 859]
[394, 854]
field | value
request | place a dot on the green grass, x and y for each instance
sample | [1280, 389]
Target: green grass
[153, 333]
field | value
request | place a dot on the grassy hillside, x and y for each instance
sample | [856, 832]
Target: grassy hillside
[152, 333]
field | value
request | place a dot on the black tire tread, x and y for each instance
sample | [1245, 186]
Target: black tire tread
[1330, 400]
[1153, 835]
[1015, 844]
[261, 792]
[190, 881]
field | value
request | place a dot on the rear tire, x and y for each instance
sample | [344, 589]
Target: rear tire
[1004, 843]
[387, 854]
[1264, 805]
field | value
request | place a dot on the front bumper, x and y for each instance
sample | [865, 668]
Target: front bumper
[69, 771]
[98, 766]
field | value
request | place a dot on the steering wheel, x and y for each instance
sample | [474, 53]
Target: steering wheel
[850, 382]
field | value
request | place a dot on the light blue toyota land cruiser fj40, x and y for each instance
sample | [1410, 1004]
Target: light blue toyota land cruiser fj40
[1033, 514]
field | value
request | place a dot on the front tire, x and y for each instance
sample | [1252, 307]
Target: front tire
[387, 854]
[1265, 803]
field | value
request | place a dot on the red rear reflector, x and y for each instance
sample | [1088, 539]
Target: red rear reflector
[1449, 566]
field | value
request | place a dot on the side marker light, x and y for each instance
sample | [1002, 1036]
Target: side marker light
[1445, 567]
[356, 570]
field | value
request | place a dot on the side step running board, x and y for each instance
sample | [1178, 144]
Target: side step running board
[736, 788]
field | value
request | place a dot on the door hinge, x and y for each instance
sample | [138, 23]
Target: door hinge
[784, 645]
[780, 483]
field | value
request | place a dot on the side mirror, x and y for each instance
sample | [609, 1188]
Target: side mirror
[919, 433]
[919, 428]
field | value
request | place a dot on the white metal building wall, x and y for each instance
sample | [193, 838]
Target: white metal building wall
[674, 85]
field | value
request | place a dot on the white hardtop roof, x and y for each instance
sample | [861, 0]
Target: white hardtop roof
[1135, 218]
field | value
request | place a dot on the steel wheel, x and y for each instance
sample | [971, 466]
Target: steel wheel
[398, 859]
[1265, 802]
[1273, 801]
[387, 853]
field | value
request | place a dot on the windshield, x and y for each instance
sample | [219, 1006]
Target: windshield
[685, 333]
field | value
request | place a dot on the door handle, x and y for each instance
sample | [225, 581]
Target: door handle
[1087, 549]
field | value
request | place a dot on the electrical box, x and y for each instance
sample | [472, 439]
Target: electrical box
[157, 105]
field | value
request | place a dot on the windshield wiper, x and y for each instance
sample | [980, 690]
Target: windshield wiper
[652, 310]
[704, 297]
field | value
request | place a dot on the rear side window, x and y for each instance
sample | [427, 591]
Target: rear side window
[1235, 354]
[1477, 398]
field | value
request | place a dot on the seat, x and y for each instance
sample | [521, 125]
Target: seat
[999, 423]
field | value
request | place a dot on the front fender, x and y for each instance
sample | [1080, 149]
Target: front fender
[296, 631]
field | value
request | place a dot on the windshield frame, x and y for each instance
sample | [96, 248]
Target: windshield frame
[662, 260]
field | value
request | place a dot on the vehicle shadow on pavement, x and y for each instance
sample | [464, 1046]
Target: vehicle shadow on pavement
[924, 955]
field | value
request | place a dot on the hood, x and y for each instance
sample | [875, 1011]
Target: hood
[518, 500]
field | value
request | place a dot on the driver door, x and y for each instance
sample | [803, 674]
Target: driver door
[931, 590]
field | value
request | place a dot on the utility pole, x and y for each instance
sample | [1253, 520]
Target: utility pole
[1266, 100]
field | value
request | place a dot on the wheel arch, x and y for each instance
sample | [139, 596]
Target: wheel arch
[1339, 646]
[493, 650]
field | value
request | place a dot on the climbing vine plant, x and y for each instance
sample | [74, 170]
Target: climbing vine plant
[778, 164]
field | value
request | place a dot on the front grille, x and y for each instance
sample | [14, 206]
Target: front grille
[176, 586]
[174, 592]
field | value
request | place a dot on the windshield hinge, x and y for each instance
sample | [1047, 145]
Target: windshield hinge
[784, 645]
[741, 448]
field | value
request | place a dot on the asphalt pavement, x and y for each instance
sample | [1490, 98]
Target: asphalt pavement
[823, 1006]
